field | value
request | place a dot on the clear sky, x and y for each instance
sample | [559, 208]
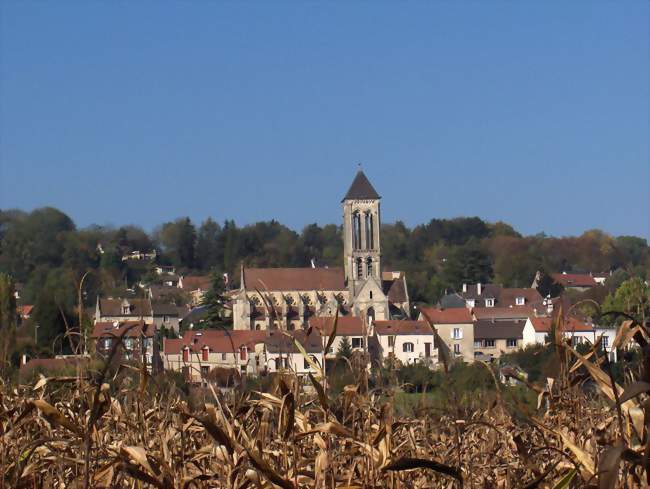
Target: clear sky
[535, 113]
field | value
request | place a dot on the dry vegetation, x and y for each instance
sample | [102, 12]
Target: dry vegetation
[122, 429]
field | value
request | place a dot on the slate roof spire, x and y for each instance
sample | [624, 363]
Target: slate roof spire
[361, 189]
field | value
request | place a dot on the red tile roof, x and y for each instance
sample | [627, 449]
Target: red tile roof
[215, 339]
[130, 329]
[544, 325]
[457, 315]
[516, 312]
[574, 279]
[25, 310]
[286, 279]
[196, 282]
[402, 327]
[508, 296]
[345, 326]
[52, 363]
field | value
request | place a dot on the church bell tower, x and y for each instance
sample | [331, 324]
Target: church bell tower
[361, 223]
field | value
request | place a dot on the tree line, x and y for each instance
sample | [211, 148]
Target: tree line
[47, 254]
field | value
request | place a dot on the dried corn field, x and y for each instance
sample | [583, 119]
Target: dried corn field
[96, 430]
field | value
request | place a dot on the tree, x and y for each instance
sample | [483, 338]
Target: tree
[178, 240]
[209, 254]
[345, 348]
[632, 297]
[547, 287]
[214, 301]
[7, 319]
[467, 264]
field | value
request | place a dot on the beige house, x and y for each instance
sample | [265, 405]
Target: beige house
[197, 353]
[350, 327]
[494, 338]
[455, 327]
[407, 341]
[196, 286]
[287, 298]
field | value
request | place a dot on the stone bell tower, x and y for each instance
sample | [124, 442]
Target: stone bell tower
[361, 223]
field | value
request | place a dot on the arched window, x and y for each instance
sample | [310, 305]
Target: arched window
[369, 267]
[407, 347]
[356, 230]
[372, 232]
[368, 227]
[370, 314]
[359, 268]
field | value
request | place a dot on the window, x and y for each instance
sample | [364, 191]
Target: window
[457, 334]
[128, 343]
[489, 302]
[511, 342]
[457, 349]
[108, 342]
[369, 267]
[477, 344]
[604, 341]
[359, 268]
[391, 342]
[520, 301]
[243, 353]
[407, 348]
[470, 302]
[371, 294]
[356, 231]
[165, 319]
[357, 342]
[126, 309]
[577, 340]
[204, 354]
[427, 349]
[204, 371]
[223, 357]
[186, 354]
[488, 343]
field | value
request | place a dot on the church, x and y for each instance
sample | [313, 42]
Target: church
[286, 298]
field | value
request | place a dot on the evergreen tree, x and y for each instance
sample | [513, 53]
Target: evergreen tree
[214, 301]
[345, 348]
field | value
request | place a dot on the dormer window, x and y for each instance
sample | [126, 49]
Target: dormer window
[520, 301]
[470, 302]
[489, 302]
[126, 309]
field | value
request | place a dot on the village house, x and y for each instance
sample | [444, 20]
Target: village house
[283, 353]
[199, 352]
[111, 310]
[287, 298]
[455, 327]
[349, 327]
[494, 295]
[579, 331]
[406, 341]
[137, 342]
[494, 338]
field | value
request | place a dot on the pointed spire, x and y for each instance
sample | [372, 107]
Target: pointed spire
[361, 189]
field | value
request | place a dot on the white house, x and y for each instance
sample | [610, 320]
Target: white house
[537, 329]
[407, 341]
[283, 353]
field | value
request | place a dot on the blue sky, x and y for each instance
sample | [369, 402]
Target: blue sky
[139, 112]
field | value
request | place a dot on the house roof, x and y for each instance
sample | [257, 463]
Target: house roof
[402, 327]
[395, 290]
[498, 330]
[215, 340]
[52, 363]
[196, 282]
[345, 326]
[508, 296]
[287, 279]
[130, 329]
[456, 315]
[164, 309]
[113, 307]
[25, 310]
[574, 279]
[453, 300]
[361, 189]
[488, 291]
[278, 342]
[544, 325]
[516, 312]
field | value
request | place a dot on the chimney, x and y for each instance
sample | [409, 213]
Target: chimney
[478, 288]
[23, 360]
[464, 288]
